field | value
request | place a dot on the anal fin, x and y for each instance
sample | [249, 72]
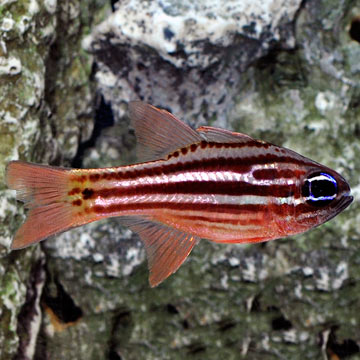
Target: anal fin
[166, 247]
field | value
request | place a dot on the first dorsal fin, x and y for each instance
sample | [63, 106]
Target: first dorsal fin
[158, 132]
[221, 135]
[166, 248]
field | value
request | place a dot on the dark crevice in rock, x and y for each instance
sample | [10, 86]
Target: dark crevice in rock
[171, 309]
[283, 67]
[168, 34]
[196, 348]
[53, 67]
[280, 323]
[185, 324]
[119, 62]
[120, 333]
[226, 324]
[61, 304]
[113, 355]
[30, 315]
[343, 349]
[113, 2]
[255, 305]
[57, 64]
[104, 118]
[357, 130]
[272, 308]
[41, 345]
[355, 100]
[354, 31]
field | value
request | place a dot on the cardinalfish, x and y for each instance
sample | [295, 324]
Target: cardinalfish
[207, 183]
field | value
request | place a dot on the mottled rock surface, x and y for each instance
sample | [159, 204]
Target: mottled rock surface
[283, 71]
[46, 107]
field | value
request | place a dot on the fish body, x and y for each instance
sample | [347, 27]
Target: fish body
[206, 183]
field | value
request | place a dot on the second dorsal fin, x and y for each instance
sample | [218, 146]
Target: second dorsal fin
[158, 132]
[221, 135]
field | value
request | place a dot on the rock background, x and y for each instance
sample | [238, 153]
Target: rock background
[284, 71]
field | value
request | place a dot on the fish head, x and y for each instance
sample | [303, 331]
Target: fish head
[323, 194]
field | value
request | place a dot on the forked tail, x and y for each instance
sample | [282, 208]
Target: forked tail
[44, 190]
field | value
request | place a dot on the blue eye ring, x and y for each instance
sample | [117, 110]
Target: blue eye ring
[330, 178]
[319, 189]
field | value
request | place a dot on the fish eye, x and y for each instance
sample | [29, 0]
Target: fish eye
[319, 189]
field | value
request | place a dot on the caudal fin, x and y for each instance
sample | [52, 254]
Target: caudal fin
[44, 190]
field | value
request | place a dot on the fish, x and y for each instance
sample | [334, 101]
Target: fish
[208, 183]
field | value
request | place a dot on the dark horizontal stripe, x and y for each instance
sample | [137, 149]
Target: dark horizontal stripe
[239, 165]
[222, 208]
[231, 188]
[271, 174]
[268, 210]
[276, 210]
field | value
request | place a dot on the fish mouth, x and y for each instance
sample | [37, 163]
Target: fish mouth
[345, 202]
[341, 205]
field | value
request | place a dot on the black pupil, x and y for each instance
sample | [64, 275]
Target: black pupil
[319, 189]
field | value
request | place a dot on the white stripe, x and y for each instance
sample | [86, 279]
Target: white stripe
[227, 226]
[198, 199]
[198, 176]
